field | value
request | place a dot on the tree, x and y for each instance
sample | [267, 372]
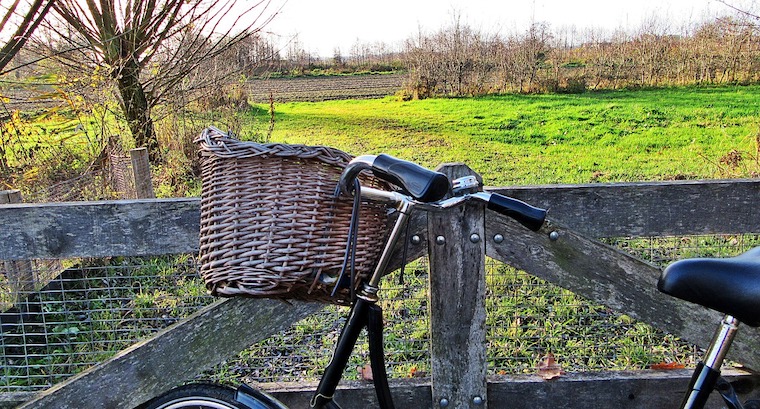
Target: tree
[30, 19]
[148, 47]
[28, 16]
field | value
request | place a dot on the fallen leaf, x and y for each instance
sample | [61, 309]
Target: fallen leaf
[416, 373]
[548, 368]
[667, 366]
[365, 372]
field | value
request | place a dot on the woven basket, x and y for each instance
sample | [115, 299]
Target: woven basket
[270, 225]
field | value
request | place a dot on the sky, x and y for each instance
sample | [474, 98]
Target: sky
[326, 25]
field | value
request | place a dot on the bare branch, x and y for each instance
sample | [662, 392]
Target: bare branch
[174, 37]
[740, 10]
[34, 16]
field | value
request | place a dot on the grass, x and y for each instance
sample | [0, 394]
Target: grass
[515, 139]
[680, 133]
[93, 311]
[659, 134]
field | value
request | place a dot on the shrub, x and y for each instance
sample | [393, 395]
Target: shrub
[574, 86]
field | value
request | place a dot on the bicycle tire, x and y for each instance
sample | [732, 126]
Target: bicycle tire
[196, 396]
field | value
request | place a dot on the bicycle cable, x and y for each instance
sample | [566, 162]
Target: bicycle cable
[349, 259]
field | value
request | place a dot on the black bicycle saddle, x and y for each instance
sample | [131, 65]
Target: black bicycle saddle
[729, 285]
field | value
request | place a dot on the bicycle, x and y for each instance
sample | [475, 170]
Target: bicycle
[693, 280]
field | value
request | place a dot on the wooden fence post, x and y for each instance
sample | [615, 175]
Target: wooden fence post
[141, 173]
[19, 273]
[10, 196]
[457, 303]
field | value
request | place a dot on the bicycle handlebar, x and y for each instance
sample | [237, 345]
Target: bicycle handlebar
[426, 189]
[422, 184]
[529, 216]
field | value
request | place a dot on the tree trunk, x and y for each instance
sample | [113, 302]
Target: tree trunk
[137, 109]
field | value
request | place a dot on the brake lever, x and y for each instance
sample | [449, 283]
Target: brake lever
[465, 184]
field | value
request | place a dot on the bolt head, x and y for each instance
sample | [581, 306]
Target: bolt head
[554, 236]
[474, 238]
[440, 240]
[477, 400]
[416, 239]
[443, 402]
[498, 238]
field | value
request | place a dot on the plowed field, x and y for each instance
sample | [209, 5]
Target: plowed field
[325, 88]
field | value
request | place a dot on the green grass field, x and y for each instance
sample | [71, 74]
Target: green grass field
[513, 139]
[679, 133]
[531, 139]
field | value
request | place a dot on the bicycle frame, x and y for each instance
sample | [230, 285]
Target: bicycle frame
[365, 312]
[426, 189]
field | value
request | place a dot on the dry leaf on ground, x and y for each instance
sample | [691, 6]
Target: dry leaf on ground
[365, 372]
[548, 368]
[667, 366]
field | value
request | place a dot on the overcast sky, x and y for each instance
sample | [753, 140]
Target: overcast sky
[325, 25]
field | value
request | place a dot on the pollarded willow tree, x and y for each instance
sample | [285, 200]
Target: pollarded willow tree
[148, 47]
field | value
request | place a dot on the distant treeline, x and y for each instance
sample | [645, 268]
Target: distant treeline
[458, 60]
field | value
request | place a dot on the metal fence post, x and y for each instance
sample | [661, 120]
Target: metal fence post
[457, 303]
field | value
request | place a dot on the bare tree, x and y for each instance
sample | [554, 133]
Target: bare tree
[531, 53]
[148, 47]
[31, 15]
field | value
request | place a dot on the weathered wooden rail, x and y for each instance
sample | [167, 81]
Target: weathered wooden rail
[579, 215]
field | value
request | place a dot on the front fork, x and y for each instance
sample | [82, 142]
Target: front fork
[363, 313]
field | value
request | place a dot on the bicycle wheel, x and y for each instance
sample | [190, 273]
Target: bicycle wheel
[196, 396]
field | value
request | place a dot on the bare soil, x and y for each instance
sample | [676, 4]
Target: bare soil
[326, 88]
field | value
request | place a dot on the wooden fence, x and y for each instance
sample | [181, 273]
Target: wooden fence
[564, 252]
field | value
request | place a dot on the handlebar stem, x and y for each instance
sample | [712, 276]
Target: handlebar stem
[404, 205]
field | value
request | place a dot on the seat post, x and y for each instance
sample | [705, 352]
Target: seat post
[707, 372]
[721, 342]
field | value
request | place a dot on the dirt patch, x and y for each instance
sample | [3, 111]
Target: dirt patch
[325, 88]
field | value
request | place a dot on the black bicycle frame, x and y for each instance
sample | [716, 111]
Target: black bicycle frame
[364, 313]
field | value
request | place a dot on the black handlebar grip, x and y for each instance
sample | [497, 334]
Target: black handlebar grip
[422, 184]
[527, 215]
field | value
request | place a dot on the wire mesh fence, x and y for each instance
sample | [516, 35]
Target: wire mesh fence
[80, 312]
[111, 177]
[76, 313]
[527, 319]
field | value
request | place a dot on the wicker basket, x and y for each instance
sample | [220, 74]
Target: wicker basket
[270, 225]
